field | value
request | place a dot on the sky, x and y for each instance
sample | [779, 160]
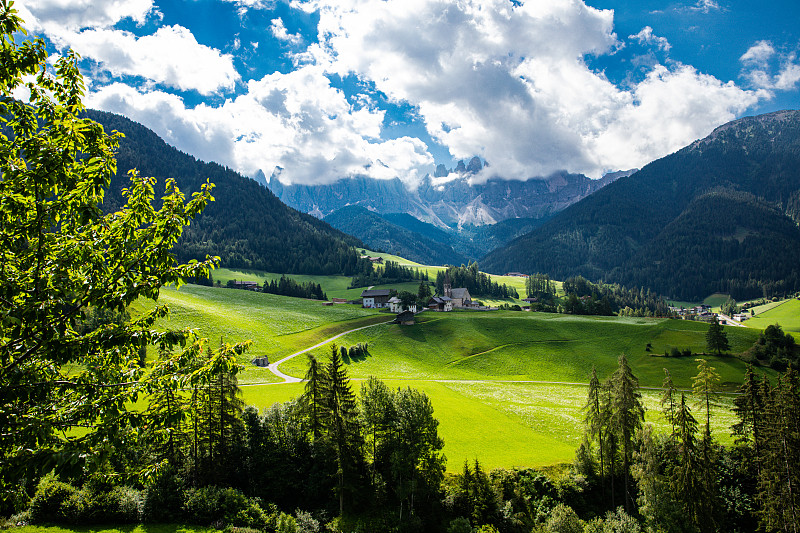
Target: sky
[312, 91]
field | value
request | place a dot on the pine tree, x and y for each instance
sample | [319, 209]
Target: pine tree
[627, 416]
[716, 338]
[668, 403]
[704, 385]
[341, 425]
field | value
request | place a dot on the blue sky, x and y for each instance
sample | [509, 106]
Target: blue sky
[311, 91]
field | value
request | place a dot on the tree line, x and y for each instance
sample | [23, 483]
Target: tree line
[287, 286]
[391, 272]
[476, 282]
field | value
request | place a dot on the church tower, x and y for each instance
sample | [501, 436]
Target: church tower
[448, 288]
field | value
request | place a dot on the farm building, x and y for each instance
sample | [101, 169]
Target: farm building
[375, 298]
[440, 303]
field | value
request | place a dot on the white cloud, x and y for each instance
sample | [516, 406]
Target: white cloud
[509, 83]
[646, 36]
[244, 5]
[60, 15]
[296, 122]
[280, 32]
[758, 68]
[758, 54]
[706, 6]
[171, 56]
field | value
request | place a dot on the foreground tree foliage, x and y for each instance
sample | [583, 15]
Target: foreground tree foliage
[65, 390]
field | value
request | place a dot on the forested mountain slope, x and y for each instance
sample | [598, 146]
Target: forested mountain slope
[246, 225]
[379, 233]
[719, 215]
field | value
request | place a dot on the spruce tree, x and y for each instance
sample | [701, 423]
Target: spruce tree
[341, 425]
[314, 395]
[668, 402]
[595, 419]
[627, 416]
[716, 338]
[704, 385]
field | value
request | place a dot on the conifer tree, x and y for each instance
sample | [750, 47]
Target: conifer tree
[685, 481]
[627, 416]
[668, 402]
[716, 338]
[341, 425]
[704, 385]
[313, 399]
[595, 419]
[749, 408]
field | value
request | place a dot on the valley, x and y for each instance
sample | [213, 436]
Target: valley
[508, 388]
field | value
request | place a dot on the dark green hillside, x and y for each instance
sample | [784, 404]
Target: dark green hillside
[379, 233]
[738, 232]
[247, 226]
[628, 225]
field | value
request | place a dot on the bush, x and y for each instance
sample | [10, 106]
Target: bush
[563, 519]
[227, 506]
[163, 499]
[459, 525]
[54, 501]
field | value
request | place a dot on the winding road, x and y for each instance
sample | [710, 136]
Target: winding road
[273, 367]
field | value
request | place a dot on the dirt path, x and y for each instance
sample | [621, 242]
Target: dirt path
[273, 367]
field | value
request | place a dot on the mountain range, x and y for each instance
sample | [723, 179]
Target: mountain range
[720, 215]
[246, 225]
[449, 199]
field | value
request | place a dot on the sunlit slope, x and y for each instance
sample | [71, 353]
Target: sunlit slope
[535, 346]
[786, 313]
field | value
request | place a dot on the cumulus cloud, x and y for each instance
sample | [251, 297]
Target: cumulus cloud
[60, 15]
[171, 56]
[758, 67]
[510, 84]
[294, 125]
[280, 32]
[646, 36]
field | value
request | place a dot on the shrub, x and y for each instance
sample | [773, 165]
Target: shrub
[563, 519]
[163, 499]
[459, 525]
[227, 506]
[54, 501]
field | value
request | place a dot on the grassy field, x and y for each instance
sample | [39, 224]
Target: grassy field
[126, 528]
[479, 368]
[277, 325]
[534, 346]
[504, 424]
[786, 313]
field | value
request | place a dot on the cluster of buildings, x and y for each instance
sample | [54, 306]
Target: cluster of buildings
[451, 299]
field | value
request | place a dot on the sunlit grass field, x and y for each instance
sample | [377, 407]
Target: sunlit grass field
[505, 424]
[473, 365]
[507, 345]
[785, 313]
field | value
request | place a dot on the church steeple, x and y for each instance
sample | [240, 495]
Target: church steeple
[448, 288]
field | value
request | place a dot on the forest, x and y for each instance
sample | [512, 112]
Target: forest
[719, 215]
[476, 282]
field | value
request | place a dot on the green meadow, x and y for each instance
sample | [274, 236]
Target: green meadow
[786, 313]
[504, 424]
[507, 387]
[511, 346]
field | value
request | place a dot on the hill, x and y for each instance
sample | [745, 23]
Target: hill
[719, 215]
[379, 233]
[246, 225]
